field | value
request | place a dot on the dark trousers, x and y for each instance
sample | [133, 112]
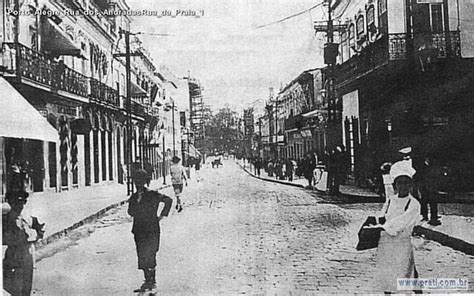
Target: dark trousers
[257, 171]
[334, 181]
[18, 277]
[428, 197]
[147, 246]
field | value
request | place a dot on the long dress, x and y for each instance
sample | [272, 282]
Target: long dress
[395, 258]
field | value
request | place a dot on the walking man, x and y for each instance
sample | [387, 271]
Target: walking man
[178, 177]
[143, 207]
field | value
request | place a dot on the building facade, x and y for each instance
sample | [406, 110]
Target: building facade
[71, 68]
[404, 77]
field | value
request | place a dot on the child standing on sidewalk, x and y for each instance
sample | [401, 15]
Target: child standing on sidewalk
[178, 175]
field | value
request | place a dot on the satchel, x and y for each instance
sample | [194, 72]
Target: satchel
[368, 237]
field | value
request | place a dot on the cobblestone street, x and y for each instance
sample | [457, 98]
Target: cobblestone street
[238, 235]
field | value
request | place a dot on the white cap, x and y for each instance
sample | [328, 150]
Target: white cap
[402, 168]
[405, 150]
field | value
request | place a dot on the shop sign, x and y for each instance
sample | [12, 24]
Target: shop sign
[64, 110]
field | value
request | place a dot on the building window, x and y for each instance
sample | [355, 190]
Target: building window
[360, 26]
[436, 12]
[382, 6]
[351, 38]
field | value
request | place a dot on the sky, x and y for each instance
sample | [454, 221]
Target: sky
[235, 61]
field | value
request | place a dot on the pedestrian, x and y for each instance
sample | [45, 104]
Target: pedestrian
[178, 177]
[387, 179]
[395, 255]
[289, 170]
[308, 167]
[19, 234]
[257, 165]
[143, 207]
[197, 167]
[270, 168]
[335, 163]
[426, 179]
[149, 172]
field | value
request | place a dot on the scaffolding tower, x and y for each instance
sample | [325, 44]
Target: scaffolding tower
[196, 108]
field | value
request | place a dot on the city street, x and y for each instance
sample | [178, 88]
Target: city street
[237, 235]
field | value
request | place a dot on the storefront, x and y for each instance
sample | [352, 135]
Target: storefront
[24, 135]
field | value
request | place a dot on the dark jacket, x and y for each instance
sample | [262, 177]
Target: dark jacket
[145, 219]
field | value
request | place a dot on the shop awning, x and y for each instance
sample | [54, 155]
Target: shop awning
[136, 90]
[19, 119]
[57, 41]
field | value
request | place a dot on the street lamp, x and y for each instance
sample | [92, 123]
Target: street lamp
[163, 167]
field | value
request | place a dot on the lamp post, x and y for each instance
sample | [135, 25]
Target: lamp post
[164, 159]
[174, 133]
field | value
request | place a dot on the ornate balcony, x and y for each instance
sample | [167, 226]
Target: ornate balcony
[39, 68]
[103, 93]
[396, 47]
[138, 109]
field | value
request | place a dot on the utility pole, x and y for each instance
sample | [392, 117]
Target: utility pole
[129, 112]
[163, 167]
[174, 136]
[128, 106]
[330, 56]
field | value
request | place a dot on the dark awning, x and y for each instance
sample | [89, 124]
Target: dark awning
[19, 119]
[56, 41]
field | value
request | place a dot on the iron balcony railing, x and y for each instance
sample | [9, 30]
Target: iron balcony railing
[44, 70]
[103, 93]
[396, 47]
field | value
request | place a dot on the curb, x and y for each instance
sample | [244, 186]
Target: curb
[57, 235]
[445, 240]
[270, 180]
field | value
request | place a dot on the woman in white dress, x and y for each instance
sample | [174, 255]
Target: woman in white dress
[395, 258]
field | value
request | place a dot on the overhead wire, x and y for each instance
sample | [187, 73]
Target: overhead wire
[290, 17]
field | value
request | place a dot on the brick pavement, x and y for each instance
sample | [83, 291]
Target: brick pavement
[238, 235]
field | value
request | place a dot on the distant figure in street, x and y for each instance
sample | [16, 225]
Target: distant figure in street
[387, 179]
[308, 167]
[257, 164]
[197, 167]
[143, 207]
[178, 177]
[289, 170]
[149, 172]
[270, 168]
[19, 234]
[426, 179]
[335, 171]
[395, 257]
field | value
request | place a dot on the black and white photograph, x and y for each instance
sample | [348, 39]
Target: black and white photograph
[238, 147]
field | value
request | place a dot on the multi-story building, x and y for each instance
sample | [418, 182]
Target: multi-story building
[70, 66]
[404, 76]
[304, 119]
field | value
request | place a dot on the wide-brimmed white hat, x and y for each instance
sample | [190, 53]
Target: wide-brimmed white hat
[402, 168]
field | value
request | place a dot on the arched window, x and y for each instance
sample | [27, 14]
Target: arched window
[360, 26]
[371, 26]
[382, 6]
[351, 36]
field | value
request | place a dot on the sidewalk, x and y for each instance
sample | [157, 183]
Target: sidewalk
[456, 230]
[66, 211]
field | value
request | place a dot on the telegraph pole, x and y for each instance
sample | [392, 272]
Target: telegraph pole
[128, 106]
[129, 112]
[330, 56]
[174, 136]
